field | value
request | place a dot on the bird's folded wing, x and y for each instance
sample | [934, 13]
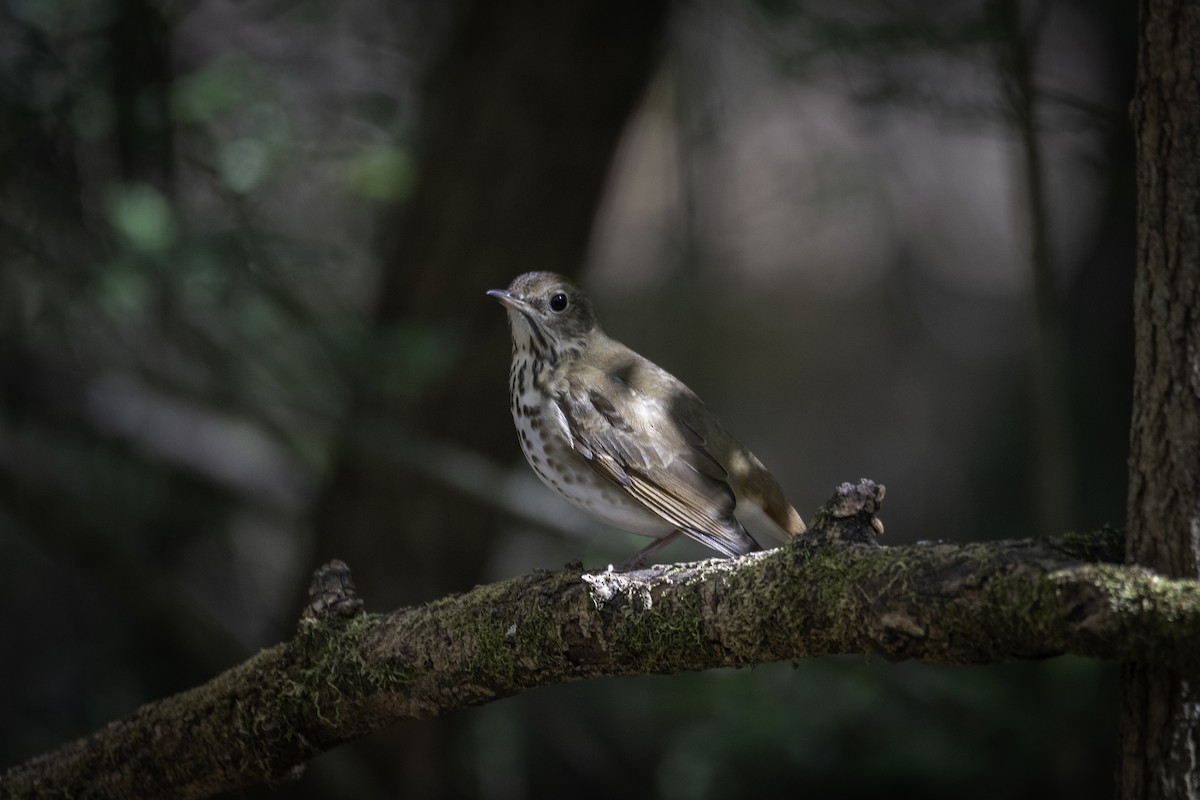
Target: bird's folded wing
[642, 448]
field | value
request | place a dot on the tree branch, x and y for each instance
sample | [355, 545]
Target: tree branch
[347, 673]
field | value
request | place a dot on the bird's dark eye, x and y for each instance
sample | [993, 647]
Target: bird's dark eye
[558, 302]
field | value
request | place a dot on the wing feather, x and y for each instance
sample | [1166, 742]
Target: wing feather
[637, 443]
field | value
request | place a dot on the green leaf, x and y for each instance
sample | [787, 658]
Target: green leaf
[243, 164]
[202, 95]
[142, 218]
[380, 173]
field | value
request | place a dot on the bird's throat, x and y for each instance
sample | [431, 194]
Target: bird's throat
[529, 336]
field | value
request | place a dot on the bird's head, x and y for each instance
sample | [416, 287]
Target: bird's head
[548, 314]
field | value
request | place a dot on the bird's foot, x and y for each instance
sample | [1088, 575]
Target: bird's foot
[639, 558]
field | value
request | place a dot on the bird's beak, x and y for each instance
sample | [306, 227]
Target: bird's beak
[508, 300]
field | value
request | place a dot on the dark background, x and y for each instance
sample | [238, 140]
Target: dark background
[243, 254]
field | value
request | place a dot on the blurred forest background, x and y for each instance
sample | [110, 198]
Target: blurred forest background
[244, 246]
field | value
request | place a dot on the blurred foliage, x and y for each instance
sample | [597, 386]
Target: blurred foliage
[384, 173]
[843, 726]
[196, 205]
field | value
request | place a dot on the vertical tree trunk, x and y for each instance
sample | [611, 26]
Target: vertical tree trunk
[1160, 740]
[521, 118]
[1054, 479]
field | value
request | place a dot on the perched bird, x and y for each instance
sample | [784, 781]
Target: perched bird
[622, 438]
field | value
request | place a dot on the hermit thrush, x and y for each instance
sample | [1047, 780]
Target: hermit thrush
[622, 438]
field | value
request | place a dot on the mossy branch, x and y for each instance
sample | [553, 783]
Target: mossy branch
[347, 673]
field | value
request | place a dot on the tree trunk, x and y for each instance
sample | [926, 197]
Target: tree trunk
[1160, 741]
[521, 117]
[524, 112]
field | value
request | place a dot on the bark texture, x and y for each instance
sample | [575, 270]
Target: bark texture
[347, 673]
[1161, 712]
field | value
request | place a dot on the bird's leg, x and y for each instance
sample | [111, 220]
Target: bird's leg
[640, 556]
